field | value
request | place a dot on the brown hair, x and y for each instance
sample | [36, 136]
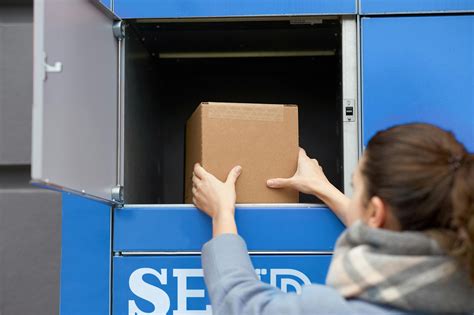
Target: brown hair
[426, 177]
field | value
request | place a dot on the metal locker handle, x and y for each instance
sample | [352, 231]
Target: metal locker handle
[55, 68]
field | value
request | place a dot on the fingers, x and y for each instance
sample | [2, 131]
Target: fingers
[279, 182]
[197, 199]
[301, 153]
[234, 174]
[195, 196]
[199, 171]
[196, 203]
[196, 180]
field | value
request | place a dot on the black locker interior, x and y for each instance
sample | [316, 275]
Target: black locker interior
[171, 67]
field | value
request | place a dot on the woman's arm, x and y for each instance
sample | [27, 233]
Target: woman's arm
[217, 198]
[232, 283]
[310, 179]
[234, 288]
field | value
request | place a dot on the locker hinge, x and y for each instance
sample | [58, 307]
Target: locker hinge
[117, 194]
[119, 30]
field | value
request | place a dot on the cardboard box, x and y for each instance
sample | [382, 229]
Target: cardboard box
[262, 138]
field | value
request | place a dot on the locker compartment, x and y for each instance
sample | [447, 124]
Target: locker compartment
[179, 279]
[170, 67]
[447, 97]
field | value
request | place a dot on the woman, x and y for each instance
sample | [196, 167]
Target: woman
[408, 247]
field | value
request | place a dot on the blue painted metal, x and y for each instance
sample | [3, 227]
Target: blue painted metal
[414, 6]
[419, 69]
[107, 3]
[187, 229]
[131, 9]
[85, 256]
[313, 267]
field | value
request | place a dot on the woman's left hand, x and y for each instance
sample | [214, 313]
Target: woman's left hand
[216, 198]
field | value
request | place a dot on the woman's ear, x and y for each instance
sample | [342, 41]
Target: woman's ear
[377, 213]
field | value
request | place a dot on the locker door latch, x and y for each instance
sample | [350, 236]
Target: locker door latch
[55, 68]
[349, 110]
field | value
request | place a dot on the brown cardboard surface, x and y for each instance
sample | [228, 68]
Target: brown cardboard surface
[262, 138]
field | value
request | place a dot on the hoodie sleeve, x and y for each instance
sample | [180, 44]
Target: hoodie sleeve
[235, 289]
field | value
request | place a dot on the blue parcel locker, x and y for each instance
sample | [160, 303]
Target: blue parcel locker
[143, 9]
[418, 69]
[174, 284]
[299, 238]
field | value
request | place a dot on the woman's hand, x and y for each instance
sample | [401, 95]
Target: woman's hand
[309, 177]
[216, 198]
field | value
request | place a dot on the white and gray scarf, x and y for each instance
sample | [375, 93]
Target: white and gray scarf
[405, 270]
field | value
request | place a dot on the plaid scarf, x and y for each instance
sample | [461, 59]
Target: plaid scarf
[405, 270]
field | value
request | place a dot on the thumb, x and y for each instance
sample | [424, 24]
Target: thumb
[279, 182]
[234, 174]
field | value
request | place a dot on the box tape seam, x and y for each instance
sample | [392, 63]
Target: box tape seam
[242, 112]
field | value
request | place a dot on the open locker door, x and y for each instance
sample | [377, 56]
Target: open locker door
[75, 98]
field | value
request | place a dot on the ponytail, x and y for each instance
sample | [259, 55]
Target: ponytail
[426, 177]
[462, 198]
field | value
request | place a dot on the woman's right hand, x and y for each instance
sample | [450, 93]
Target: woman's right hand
[309, 177]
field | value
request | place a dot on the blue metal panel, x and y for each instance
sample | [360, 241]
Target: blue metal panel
[414, 6]
[131, 9]
[85, 256]
[182, 274]
[419, 69]
[187, 229]
[107, 3]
